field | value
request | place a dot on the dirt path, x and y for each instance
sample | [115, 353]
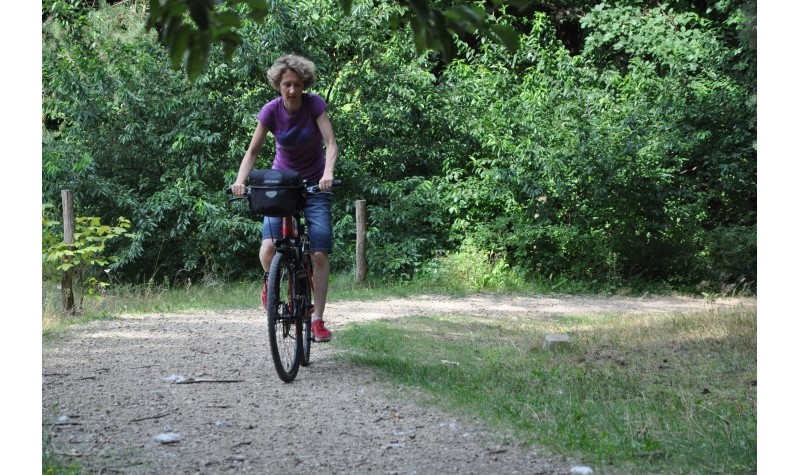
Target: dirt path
[123, 396]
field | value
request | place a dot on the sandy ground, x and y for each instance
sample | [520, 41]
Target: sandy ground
[197, 393]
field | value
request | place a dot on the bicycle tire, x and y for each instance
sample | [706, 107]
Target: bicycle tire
[284, 325]
[305, 354]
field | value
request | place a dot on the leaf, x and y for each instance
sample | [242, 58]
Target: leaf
[418, 31]
[173, 7]
[347, 6]
[230, 40]
[198, 55]
[508, 36]
[199, 11]
[177, 48]
[466, 16]
[228, 19]
[256, 5]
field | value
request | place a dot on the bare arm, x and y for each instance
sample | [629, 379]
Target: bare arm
[331, 151]
[249, 159]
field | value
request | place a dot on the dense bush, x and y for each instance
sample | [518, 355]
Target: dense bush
[628, 156]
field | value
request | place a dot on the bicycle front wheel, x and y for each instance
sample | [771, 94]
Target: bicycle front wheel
[307, 310]
[284, 323]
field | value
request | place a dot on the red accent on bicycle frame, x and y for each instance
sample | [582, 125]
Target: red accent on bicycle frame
[287, 227]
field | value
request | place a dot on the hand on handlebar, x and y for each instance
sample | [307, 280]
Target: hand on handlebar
[325, 184]
[241, 191]
[238, 189]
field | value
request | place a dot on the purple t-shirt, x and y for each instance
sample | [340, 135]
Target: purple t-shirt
[298, 141]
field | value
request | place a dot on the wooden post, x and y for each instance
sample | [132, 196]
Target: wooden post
[69, 238]
[361, 241]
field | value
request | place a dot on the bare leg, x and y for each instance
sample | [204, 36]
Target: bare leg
[321, 275]
[266, 253]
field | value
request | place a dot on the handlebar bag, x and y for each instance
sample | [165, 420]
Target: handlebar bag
[276, 192]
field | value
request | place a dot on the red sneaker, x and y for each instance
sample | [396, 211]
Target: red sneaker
[264, 295]
[319, 331]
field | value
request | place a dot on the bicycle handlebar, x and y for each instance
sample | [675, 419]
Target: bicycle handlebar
[315, 188]
[309, 188]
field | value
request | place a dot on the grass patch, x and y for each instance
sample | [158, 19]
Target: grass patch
[651, 394]
[56, 464]
[656, 394]
[144, 299]
[455, 276]
[212, 295]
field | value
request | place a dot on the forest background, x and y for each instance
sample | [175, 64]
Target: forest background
[615, 145]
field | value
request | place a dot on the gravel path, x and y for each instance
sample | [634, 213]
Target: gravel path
[197, 393]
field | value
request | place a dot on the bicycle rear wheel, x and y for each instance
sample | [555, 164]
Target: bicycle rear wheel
[285, 325]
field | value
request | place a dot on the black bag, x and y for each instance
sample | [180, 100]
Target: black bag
[276, 192]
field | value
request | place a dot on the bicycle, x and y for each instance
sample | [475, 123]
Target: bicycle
[290, 287]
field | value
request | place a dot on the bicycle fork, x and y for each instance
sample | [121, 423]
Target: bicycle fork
[290, 231]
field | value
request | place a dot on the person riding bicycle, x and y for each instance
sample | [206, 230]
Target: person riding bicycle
[302, 129]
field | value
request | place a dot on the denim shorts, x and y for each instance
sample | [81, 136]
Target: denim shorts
[318, 218]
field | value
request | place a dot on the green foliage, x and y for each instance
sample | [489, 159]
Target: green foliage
[132, 138]
[632, 158]
[396, 247]
[89, 244]
[626, 395]
[611, 165]
[731, 256]
[87, 256]
[189, 28]
[471, 269]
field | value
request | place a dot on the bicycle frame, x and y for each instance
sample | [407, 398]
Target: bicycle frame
[289, 314]
[288, 242]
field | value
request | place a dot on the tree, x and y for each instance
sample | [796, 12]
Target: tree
[188, 28]
[626, 152]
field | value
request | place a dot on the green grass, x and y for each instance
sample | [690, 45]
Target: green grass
[54, 463]
[143, 299]
[665, 394]
[459, 275]
[211, 296]
[659, 394]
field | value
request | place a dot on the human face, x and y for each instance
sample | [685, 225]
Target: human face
[291, 91]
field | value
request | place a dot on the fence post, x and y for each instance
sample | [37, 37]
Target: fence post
[69, 238]
[361, 241]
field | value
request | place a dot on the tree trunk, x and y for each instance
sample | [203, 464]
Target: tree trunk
[361, 241]
[69, 238]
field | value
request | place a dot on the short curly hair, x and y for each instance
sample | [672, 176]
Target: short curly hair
[300, 65]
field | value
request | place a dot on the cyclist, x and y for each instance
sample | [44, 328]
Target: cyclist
[305, 143]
